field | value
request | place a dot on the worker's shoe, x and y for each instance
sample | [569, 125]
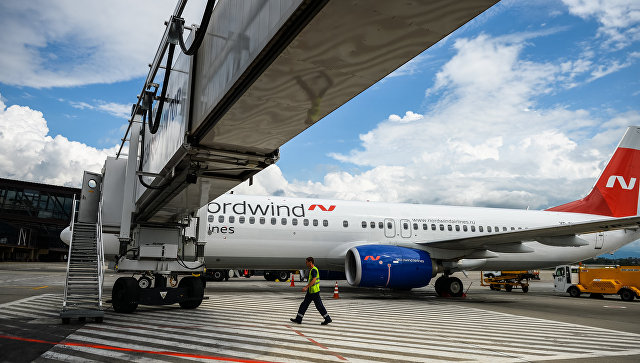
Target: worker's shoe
[296, 320]
[326, 321]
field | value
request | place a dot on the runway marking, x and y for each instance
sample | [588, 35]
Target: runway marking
[234, 325]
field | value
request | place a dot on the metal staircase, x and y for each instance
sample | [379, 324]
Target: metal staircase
[83, 286]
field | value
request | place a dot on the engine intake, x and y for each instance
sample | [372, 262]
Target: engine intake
[388, 266]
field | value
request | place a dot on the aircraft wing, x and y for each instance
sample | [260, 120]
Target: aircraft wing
[557, 235]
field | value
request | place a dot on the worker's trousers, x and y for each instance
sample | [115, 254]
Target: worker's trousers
[315, 297]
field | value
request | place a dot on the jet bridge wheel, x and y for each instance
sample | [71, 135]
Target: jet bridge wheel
[125, 295]
[195, 292]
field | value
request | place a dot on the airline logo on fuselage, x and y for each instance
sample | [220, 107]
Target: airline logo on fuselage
[623, 184]
[322, 207]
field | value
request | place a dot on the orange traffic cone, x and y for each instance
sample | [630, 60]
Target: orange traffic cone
[292, 278]
[335, 291]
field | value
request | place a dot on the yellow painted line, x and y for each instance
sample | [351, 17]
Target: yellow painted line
[40, 287]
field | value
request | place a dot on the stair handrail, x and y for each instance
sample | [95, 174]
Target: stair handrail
[100, 253]
[71, 225]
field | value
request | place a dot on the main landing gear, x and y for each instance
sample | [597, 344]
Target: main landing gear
[449, 286]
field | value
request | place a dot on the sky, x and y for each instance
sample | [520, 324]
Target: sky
[520, 108]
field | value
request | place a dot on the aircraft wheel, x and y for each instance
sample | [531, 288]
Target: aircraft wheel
[195, 291]
[125, 295]
[454, 287]
[574, 291]
[144, 282]
[508, 288]
[439, 285]
[627, 295]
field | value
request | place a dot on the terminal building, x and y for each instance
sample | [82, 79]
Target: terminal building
[32, 215]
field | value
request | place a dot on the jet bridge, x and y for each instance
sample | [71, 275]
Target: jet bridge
[266, 71]
[255, 74]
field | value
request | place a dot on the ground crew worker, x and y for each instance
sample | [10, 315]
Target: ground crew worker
[313, 294]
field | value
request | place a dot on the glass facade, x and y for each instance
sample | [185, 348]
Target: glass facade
[32, 216]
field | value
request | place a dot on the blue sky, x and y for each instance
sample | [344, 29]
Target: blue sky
[519, 108]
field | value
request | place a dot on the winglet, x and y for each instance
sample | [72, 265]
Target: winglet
[616, 191]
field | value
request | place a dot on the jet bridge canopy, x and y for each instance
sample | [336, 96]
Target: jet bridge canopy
[266, 71]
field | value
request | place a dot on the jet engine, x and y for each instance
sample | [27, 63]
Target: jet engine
[388, 266]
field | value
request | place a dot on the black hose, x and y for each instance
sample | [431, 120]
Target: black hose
[148, 186]
[204, 24]
[155, 124]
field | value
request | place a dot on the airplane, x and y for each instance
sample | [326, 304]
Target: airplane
[405, 246]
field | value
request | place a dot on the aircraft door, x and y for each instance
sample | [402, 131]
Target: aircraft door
[89, 198]
[405, 228]
[599, 240]
[389, 228]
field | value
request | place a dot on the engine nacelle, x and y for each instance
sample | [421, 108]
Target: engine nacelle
[388, 266]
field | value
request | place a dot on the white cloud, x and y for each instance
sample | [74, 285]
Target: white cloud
[619, 19]
[28, 152]
[70, 43]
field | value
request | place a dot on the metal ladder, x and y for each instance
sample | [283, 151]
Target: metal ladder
[83, 286]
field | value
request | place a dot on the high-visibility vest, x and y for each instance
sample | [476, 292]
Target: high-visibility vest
[316, 287]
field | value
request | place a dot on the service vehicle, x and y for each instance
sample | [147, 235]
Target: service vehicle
[598, 280]
[517, 279]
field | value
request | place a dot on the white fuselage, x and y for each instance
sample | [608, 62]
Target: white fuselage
[278, 233]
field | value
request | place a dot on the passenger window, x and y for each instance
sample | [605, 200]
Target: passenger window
[433, 227]
[315, 222]
[325, 223]
[405, 226]
[480, 229]
[283, 221]
[232, 219]
[305, 222]
[513, 228]
[380, 225]
[373, 224]
[488, 228]
[519, 227]
[241, 219]
[389, 225]
[449, 227]
[504, 229]
[221, 219]
[464, 228]
[262, 220]
[252, 220]
[497, 229]
[364, 224]
[424, 226]
[294, 222]
[211, 218]
[442, 227]
[274, 221]
[345, 224]
[415, 226]
[457, 228]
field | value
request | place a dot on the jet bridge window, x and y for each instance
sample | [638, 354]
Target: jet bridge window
[252, 220]
[232, 219]
[241, 219]
[315, 222]
[283, 221]
[262, 220]
[221, 219]
[294, 222]
[325, 223]
[345, 224]
[364, 224]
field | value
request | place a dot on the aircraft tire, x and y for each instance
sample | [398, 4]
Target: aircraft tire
[626, 295]
[454, 287]
[574, 291]
[195, 290]
[439, 285]
[125, 295]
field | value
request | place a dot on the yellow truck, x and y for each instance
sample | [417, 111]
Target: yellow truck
[508, 279]
[598, 280]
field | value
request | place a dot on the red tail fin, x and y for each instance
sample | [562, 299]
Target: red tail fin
[616, 192]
